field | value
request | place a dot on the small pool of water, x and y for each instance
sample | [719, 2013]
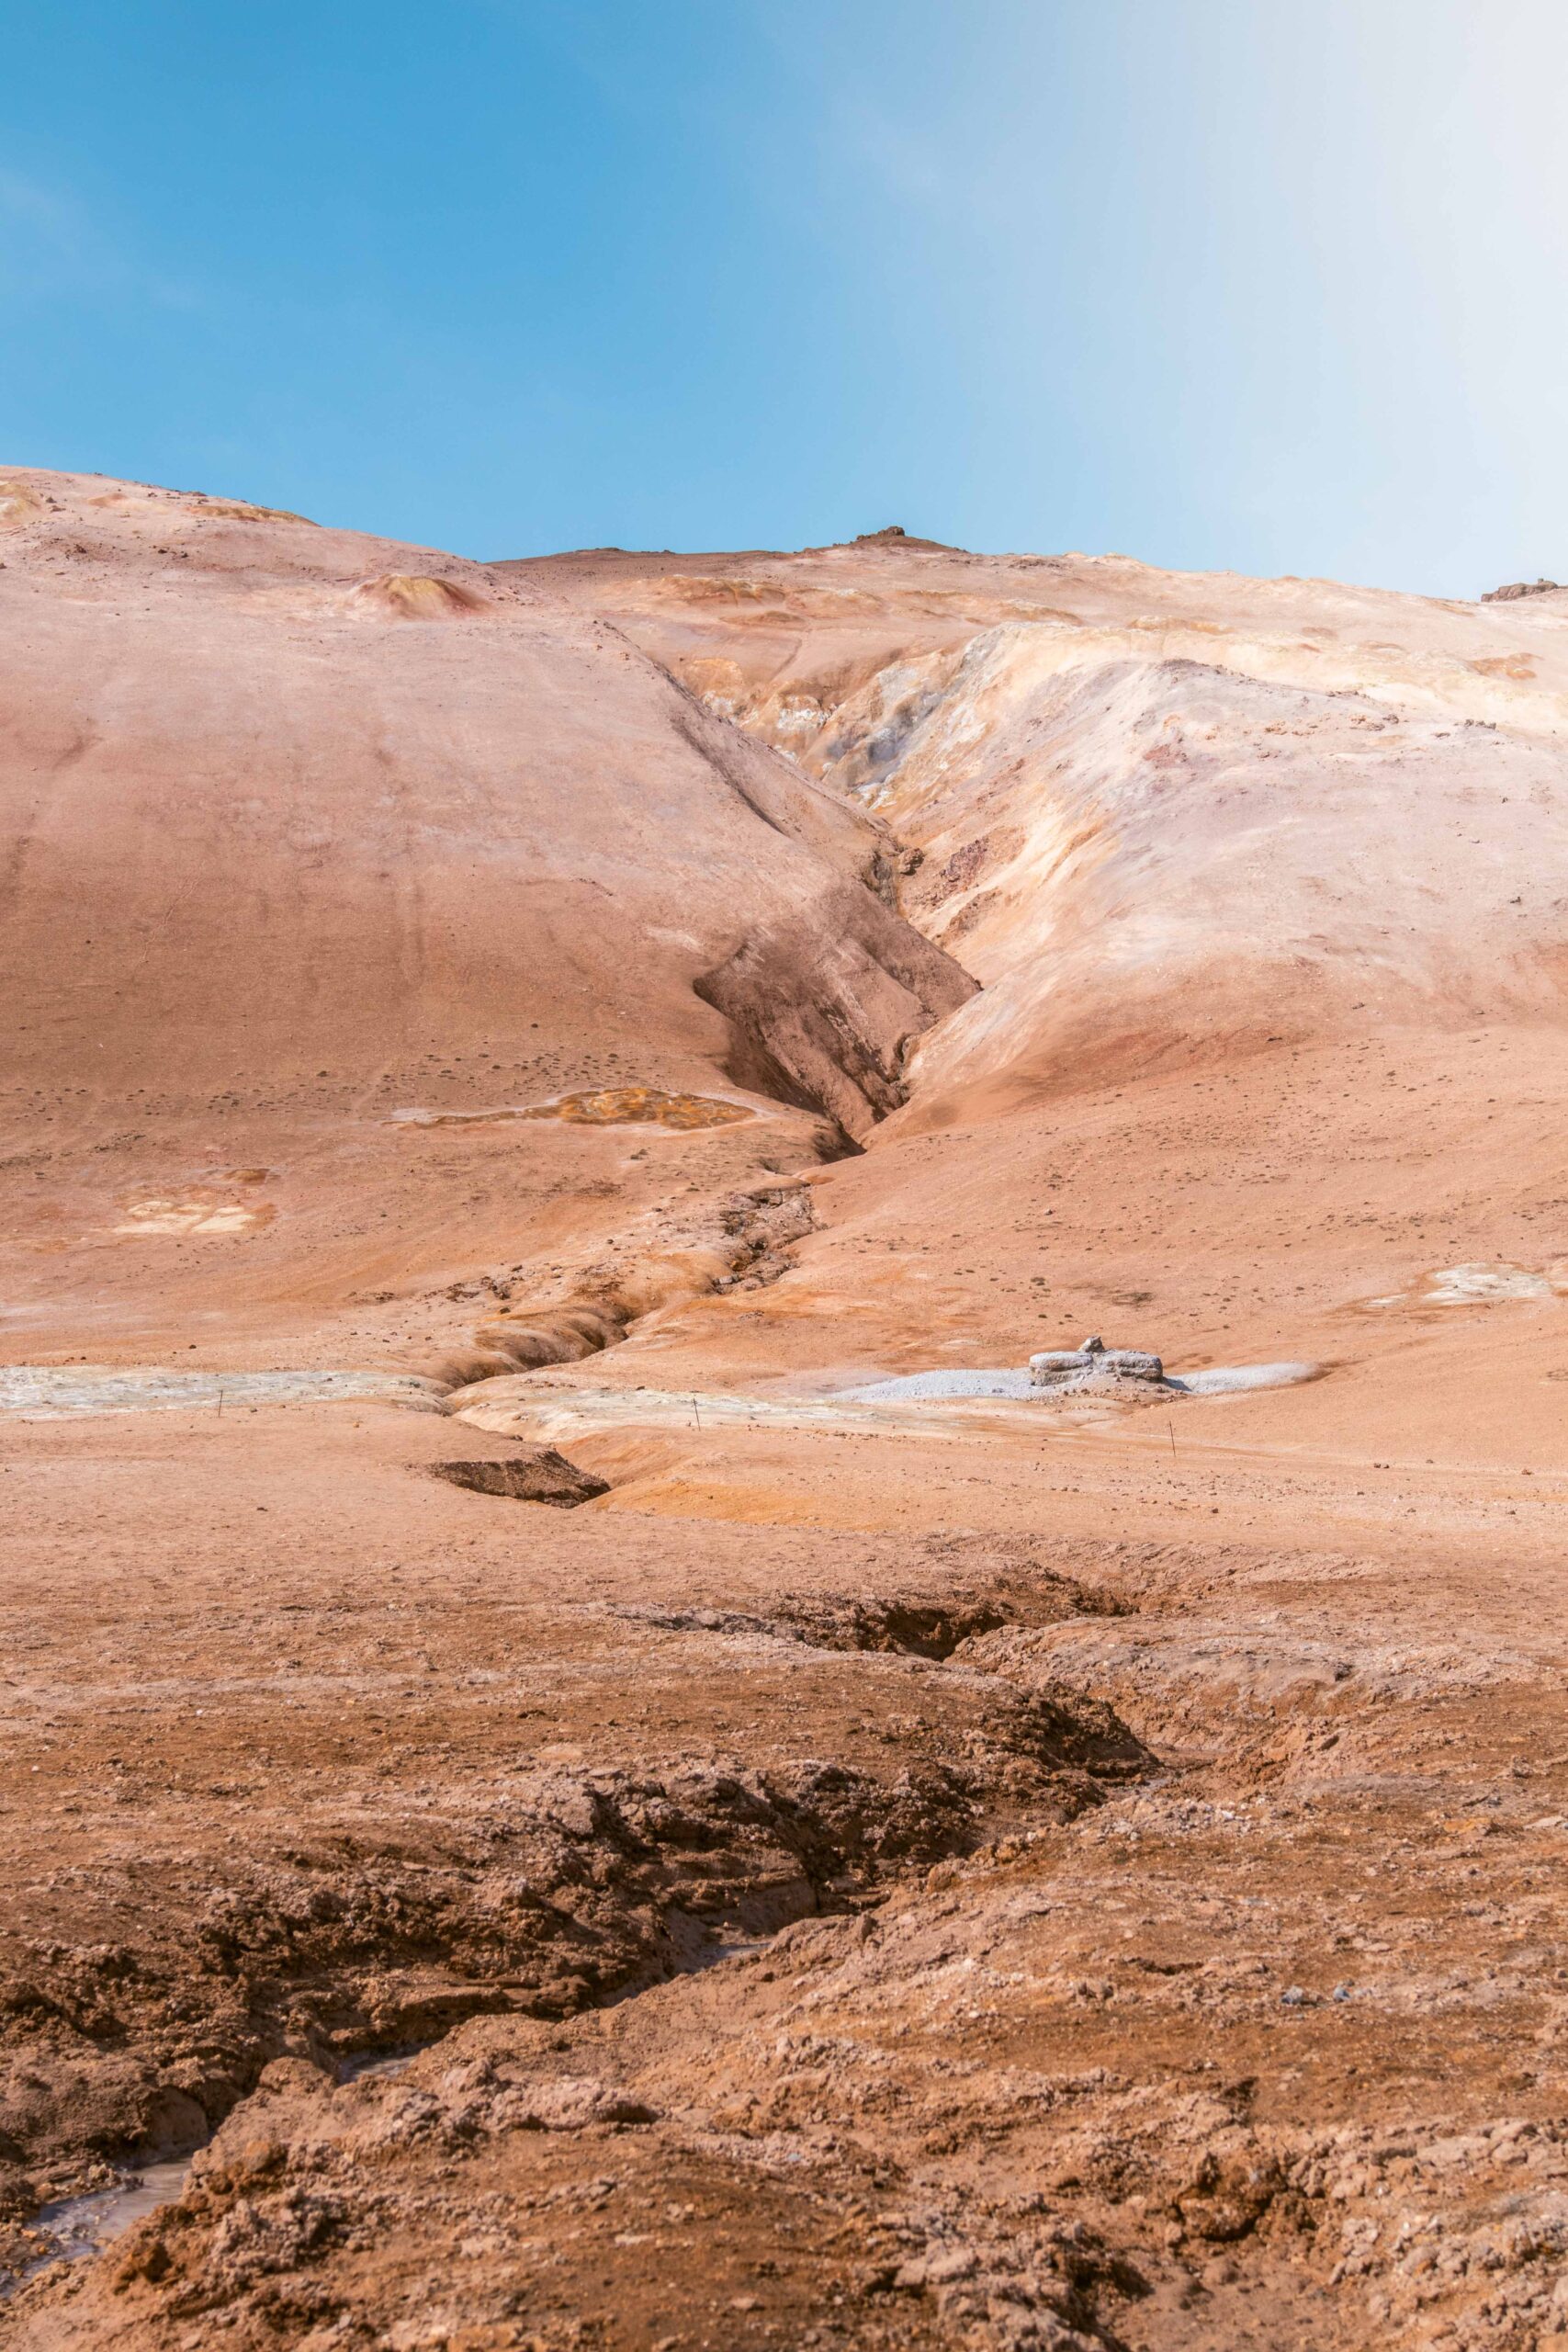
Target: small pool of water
[82, 2226]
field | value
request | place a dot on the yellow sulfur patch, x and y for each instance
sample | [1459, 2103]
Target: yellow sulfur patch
[411, 596]
[609, 1106]
[192, 1213]
[236, 510]
[18, 503]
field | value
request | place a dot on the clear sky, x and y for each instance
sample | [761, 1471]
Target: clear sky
[1278, 284]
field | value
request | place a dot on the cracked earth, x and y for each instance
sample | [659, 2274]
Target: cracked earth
[793, 1934]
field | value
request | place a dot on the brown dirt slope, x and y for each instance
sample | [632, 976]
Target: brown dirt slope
[301, 830]
[977, 1876]
[1267, 886]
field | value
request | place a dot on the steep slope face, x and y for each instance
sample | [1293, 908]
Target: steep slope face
[1150, 861]
[1139, 804]
[305, 830]
[1267, 884]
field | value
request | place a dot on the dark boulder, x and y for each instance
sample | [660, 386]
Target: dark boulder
[538, 1475]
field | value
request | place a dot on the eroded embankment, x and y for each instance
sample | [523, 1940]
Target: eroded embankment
[827, 1034]
[836, 1753]
[741, 1242]
[1035, 2070]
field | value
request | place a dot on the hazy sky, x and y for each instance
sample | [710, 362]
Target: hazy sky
[1279, 285]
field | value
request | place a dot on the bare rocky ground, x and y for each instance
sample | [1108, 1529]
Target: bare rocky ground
[987, 1934]
[937, 1871]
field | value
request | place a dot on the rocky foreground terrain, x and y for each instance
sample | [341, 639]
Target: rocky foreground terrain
[916, 1871]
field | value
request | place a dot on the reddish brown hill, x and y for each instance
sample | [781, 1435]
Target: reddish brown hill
[1267, 887]
[303, 829]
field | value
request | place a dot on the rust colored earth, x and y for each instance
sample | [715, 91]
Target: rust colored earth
[541, 1806]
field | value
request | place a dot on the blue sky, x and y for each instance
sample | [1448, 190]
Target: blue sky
[1278, 285]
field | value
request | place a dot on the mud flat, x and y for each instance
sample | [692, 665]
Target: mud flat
[1216, 1380]
[45, 1393]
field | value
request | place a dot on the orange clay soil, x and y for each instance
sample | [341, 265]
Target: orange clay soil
[998, 1875]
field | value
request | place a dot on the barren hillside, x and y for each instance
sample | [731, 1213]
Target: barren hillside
[314, 841]
[587, 1760]
[1265, 883]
